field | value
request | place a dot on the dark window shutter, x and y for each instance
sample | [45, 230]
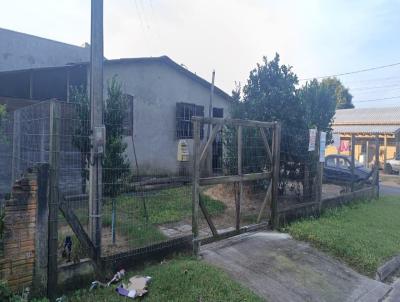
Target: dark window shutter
[218, 112]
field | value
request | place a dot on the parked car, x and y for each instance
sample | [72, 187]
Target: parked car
[337, 169]
[393, 165]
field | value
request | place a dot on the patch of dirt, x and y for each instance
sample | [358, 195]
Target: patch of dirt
[249, 208]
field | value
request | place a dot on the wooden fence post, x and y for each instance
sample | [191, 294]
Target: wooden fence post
[54, 154]
[275, 175]
[353, 147]
[40, 279]
[319, 176]
[377, 147]
[195, 187]
[239, 198]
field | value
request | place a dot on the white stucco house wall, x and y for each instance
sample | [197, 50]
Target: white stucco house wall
[164, 95]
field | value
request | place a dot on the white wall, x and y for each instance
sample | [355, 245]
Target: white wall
[157, 88]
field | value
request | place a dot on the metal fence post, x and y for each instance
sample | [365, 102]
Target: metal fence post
[54, 156]
[195, 186]
[275, 175]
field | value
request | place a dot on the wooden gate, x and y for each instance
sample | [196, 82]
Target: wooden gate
[199, 155]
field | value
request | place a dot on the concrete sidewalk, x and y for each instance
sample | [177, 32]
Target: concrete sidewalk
[281, 269]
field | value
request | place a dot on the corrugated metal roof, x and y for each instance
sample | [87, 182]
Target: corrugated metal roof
[388, 115]
[372, 129]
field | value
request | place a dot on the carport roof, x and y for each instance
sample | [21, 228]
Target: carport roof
[367, 120]
[370, 129]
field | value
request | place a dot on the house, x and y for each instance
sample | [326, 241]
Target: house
[366, 124]
[23, 51]
[164, 96]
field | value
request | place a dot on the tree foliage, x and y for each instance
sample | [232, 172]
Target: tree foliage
[271, 94]
[115, 162]
[342, 95]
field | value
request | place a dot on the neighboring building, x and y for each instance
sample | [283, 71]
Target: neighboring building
[366, 124]
[165, 96]
[22, 51]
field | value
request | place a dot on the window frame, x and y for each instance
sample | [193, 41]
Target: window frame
[184, 113]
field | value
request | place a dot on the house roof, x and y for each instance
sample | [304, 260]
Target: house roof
[367, 120]
[163, 59]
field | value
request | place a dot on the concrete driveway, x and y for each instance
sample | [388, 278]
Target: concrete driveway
[389, 190]
[389, 185]
[281, 269]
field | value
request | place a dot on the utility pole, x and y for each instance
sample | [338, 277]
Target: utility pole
[97, 125]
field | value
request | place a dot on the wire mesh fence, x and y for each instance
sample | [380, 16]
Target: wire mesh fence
[299, 167]
[242, 154]
[148, 208]
[140, 208]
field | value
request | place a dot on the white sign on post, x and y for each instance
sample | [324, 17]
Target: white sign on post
[322, 143]
[311, 140]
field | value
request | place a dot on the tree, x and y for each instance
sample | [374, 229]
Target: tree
[319, 102]
[270, 95]
[115, 162]
[342, 94]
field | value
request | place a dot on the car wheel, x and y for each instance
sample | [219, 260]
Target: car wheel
[388, 169]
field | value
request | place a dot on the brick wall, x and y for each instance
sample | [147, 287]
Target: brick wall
[18, 260]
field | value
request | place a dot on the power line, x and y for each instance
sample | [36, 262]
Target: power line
[381, 99]
[374, 87]
[351, 72]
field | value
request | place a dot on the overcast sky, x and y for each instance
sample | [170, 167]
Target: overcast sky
[317, 38]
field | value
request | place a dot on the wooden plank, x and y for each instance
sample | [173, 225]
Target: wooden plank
[233, 122]
[239, 199]
[195, 186]
[267, 199]
[234, 178]
[275, 176]
[209, 143]
[207, 216]
[227, 234]
[265, 140]
[79, 231]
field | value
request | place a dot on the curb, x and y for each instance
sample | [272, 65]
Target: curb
[387, 268]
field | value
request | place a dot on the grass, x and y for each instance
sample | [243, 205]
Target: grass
[182, 279]
[166, 206]
[364, 235]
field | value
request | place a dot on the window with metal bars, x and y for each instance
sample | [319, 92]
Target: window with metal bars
[184, 113]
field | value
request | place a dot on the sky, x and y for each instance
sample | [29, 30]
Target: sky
[317, 38]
